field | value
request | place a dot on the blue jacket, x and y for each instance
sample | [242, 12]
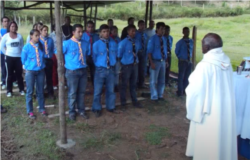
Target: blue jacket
[138, 36]
[125, 51]
[170, 38]
[29, 59]
[154, 47]
[72, 54]
[116, 39]
[100, 53]
[181, 49]
[50, 48]
[86, 37]
[3, 31]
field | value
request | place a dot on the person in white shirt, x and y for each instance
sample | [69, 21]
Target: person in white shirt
[210, 105]
[11, 45]
[150, 31]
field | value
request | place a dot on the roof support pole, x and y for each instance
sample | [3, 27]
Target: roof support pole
[63, 142]
[95, 13]
[194, 37]
[151, 10]
[84, 15]
[2, 8]
[51, 17]
[90, 10]
[146, 14]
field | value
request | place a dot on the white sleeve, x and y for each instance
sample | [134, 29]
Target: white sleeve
[28, 39]
[3, 42]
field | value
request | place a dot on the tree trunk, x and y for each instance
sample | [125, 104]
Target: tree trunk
[61, 71]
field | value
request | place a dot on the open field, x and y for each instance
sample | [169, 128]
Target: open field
[233, 30]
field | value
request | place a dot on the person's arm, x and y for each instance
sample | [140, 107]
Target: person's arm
[3, 44]
[177, 49]
[95, 52]
[120, 50]
[150, 49]
[24, 55]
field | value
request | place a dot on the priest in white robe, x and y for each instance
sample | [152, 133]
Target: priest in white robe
[210, 105]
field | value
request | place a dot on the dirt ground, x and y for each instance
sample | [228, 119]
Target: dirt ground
[155, 132]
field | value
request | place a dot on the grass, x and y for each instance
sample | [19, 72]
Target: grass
[232, 30]
[156, 134]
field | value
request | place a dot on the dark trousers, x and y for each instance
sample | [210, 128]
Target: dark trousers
[3, 69]
[91, 66]
[107, 77]
[77, 83]
[129, 75]
[14, 68]
[168, 70]
[48, 73]
[141, 68]
[184, 73]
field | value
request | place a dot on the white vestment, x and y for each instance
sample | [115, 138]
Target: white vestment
[211, 109]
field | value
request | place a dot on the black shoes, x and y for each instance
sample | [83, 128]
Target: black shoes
[97, 113]
[84, 115]
[143, 87]
[113, 111]
[161, 99]
[72, 117]
[137, 105]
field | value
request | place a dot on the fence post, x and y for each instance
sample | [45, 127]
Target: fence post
[34, 19]
[194, 36]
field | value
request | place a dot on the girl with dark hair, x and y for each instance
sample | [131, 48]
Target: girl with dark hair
[11, 46]
[33, 62]
[35, 26]
[48, 45]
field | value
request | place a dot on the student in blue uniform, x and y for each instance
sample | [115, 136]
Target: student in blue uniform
[184, 50]
[75, 52]
[114, 36]
[142, 38]
[3, 31]
[48, 45]
[104, 57]
[90, 37]
[32, 57]
[128, 55]
[169, 41]
[157, 54]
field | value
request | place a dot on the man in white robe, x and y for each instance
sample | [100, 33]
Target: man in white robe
[211, 106]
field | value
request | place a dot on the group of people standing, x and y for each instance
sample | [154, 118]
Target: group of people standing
[104, 54]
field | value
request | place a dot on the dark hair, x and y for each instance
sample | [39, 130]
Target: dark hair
[40, 45]
[167, 27]
[53, 27]
[185, 28]
[77, 26]
[12, 22]
[213, 40]
[44, 26]
[103, 26]
[140, 21]
[5, 18]
[112, 28]
[90, 22]
[40, 23]
[131, 26]
[110, 20]
[34, 25]
[67, 17]
[130, 18]
[160, 24]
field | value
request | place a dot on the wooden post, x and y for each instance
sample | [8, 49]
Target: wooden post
[19, 21]
[194, 36]
[2, 9]
[26, 23]
[95, 12]
[90, 16]
[146, 14]
[84, 15]
[51, 17]
[34, 19]
[151, 10]
[61, 71]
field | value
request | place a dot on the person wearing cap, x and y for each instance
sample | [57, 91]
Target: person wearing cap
[128, 55]
[157, 54]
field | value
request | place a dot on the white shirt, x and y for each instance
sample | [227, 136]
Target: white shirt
[150, 32]
[11, 47]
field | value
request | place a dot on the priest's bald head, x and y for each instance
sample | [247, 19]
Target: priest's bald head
[211, 41]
